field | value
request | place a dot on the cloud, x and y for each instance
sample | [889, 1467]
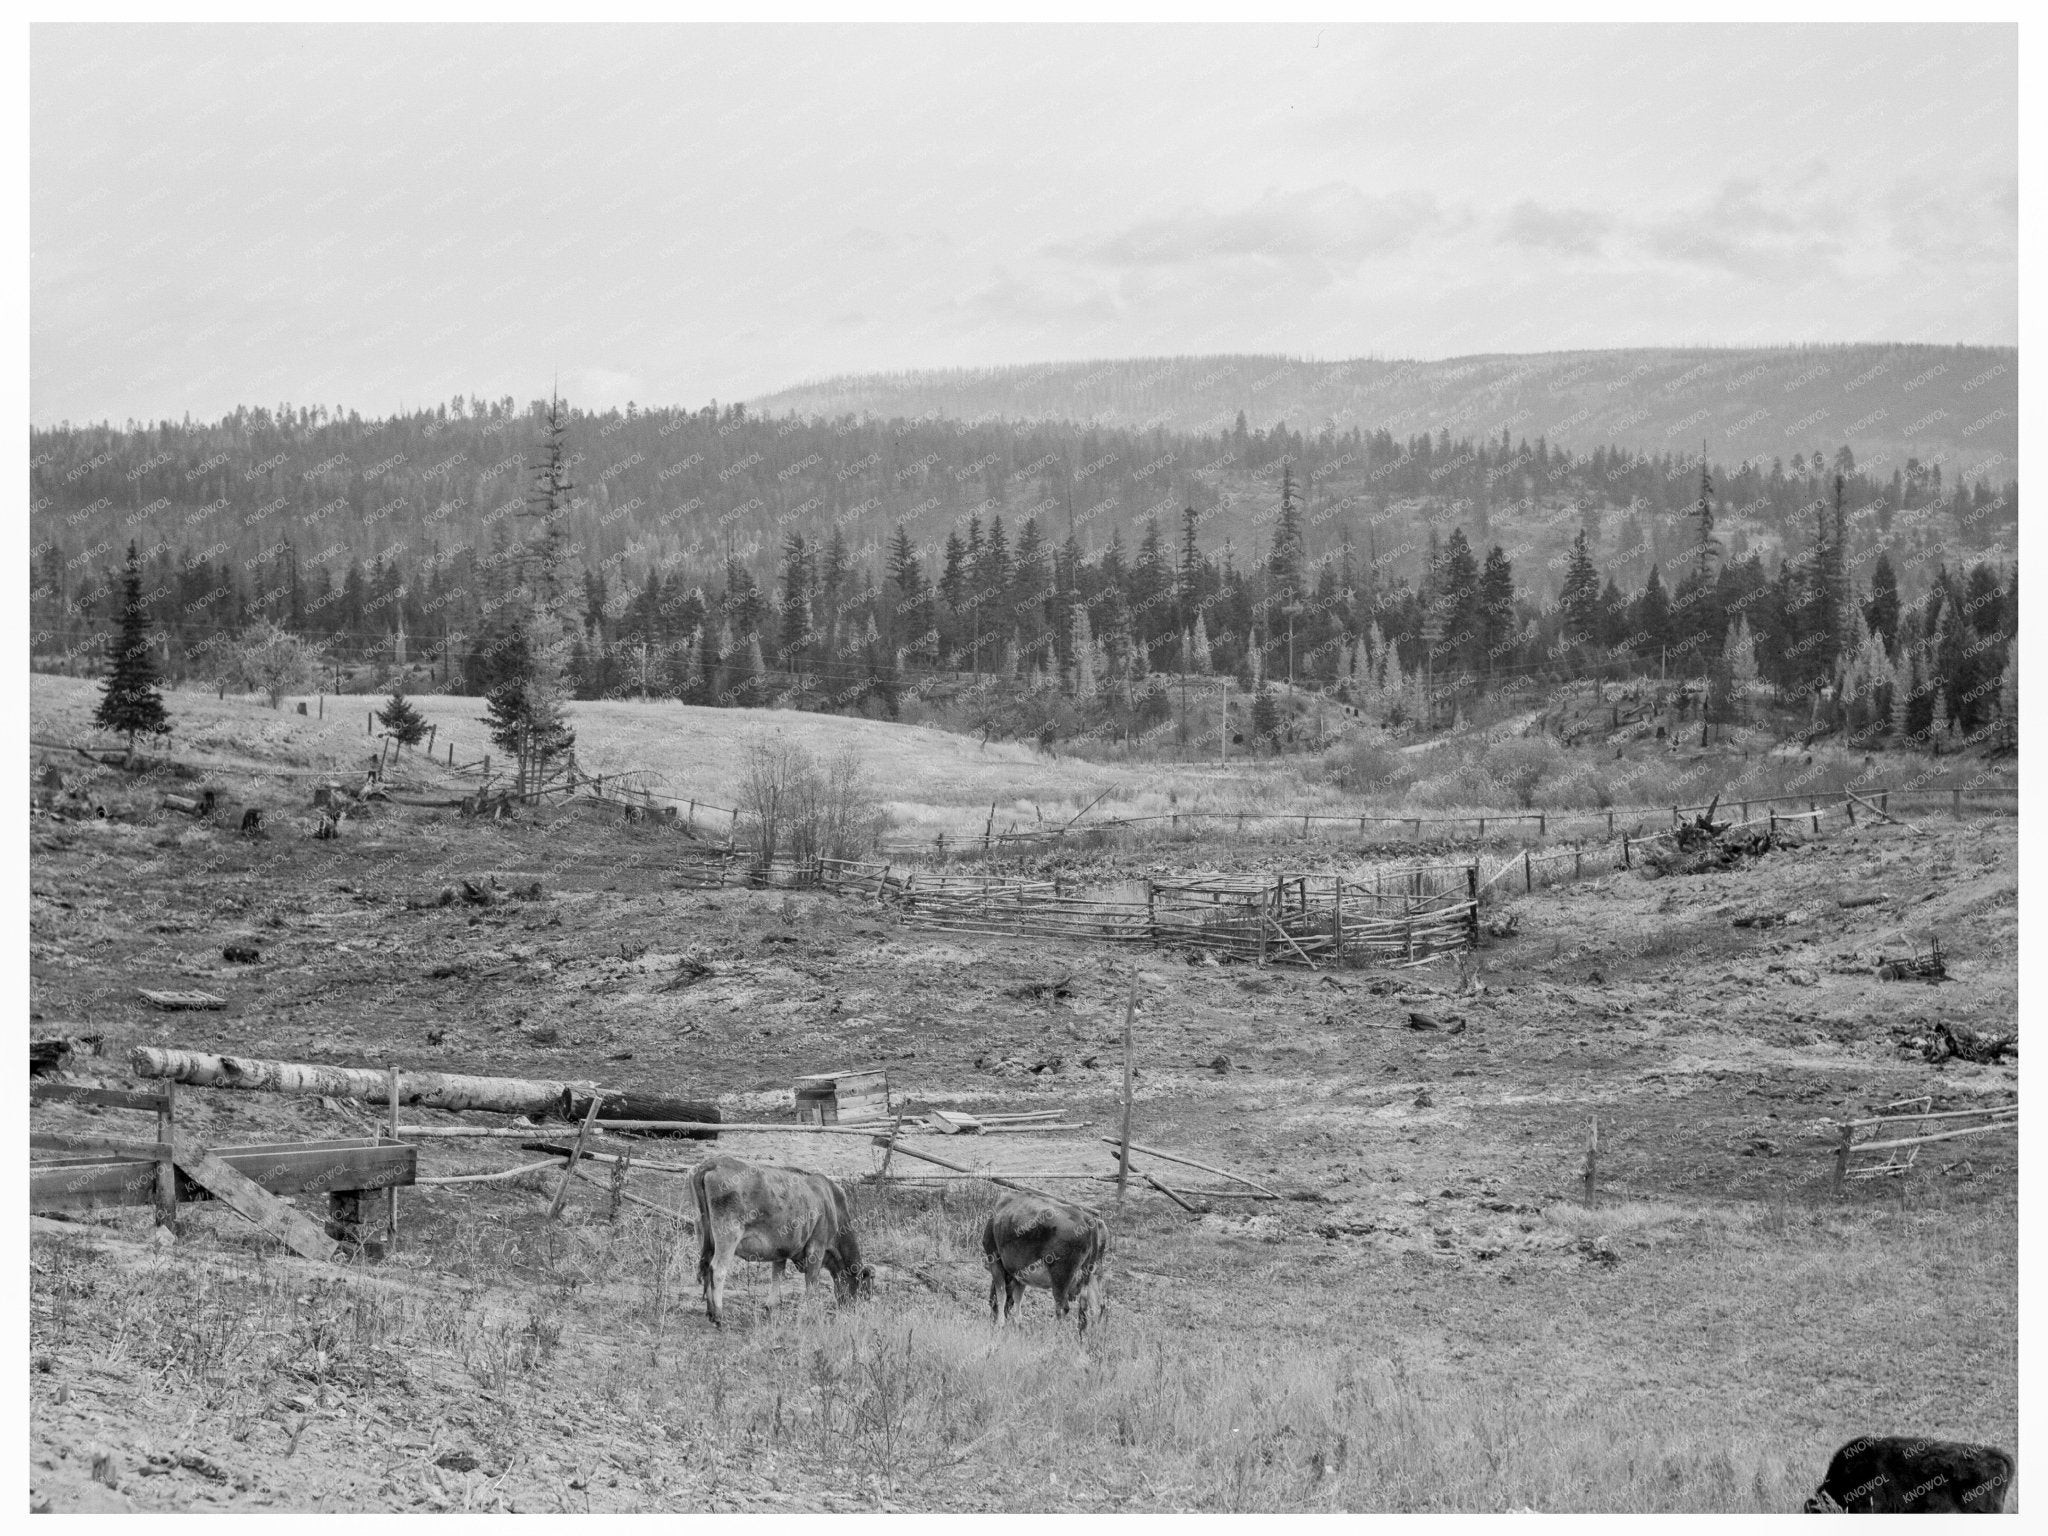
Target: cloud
[1743, 229]
[1935, 221]
[1575, 231]
[1042, 299]
[1334, 222]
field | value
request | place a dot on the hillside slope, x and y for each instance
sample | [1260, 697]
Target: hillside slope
[1951, 405]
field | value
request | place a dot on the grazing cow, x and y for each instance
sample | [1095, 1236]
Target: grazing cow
[775, 1215]
[1899, 1475]
[1034, 1240]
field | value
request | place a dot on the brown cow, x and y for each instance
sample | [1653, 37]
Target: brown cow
[775, 1215]
[1037, 1241]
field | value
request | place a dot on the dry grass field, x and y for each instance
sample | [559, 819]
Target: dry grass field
[1445, 1325]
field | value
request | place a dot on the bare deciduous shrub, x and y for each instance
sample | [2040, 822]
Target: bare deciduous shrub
[801, 808]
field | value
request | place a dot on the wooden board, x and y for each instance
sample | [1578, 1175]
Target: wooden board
[230, 1185]
[105, 1146]
[113, 1098]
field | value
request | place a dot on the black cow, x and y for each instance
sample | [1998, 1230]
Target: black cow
[774, 1215]
[1900, 1475]
[1037, 1241]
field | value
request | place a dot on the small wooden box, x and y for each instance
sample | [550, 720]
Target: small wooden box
[843, 1098]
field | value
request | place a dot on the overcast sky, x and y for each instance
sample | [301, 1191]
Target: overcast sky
[377, 217]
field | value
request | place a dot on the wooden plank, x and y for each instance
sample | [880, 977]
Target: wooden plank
[488, 1178]
[43, 1141]
[1221, 1173]
[575, 1157]
[1914, 1141]
[1939, 1114]
[993, 1178]
[237, 1190]
[71, 1186]
[112, 1098]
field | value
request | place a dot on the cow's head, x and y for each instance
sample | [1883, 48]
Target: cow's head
[853, 1278]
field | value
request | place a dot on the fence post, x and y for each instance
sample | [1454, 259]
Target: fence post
[1482, 829]
[391, 1195]
[1337, 918]
[1842, 1155]
[1849, 806]
[1625, 864]
[166, 1170]
[1592, 1171]
[451, 754]
[1578, 863]
[1418, 829]
[1542, 826]
[1774, 824]
[1674, 816]
[431, 730]
[1151, 915]
[1956, 803]
[1884, 800]
[1123, 1156]
[1610, 824]
[1528, 872]
[1745, 810]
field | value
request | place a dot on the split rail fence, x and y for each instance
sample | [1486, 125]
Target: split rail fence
[1923, 1124]
[1396, 917]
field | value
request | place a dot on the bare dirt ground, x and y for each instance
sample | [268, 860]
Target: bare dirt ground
[1445, 1327]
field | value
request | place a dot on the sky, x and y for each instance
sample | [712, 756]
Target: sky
[380, 218]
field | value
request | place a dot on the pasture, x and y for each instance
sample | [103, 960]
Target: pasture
[1446, 1326]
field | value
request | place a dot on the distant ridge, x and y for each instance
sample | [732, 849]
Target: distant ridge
[1956, 405]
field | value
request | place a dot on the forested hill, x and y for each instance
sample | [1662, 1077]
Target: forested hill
[1065, 558]
[1956, 406]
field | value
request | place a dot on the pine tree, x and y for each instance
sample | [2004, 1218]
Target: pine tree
[1284, 564]
[2009, 695]
[1580, 596]
[1084, 655]
[405, 724]
[1265, 715]
[1703, 515]
[130, 703]
[1881, 612]
[1905, 684]
[798, 630]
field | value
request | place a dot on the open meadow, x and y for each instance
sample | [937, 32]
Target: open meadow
[1436, 1319]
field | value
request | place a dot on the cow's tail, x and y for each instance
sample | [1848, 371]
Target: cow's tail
[704, 1237]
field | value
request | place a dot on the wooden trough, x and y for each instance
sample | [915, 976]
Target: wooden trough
[842, 1098]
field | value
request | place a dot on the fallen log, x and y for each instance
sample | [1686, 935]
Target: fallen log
[645, 1108]
[618, 1127]
[1846, 902]
[433, 1090]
